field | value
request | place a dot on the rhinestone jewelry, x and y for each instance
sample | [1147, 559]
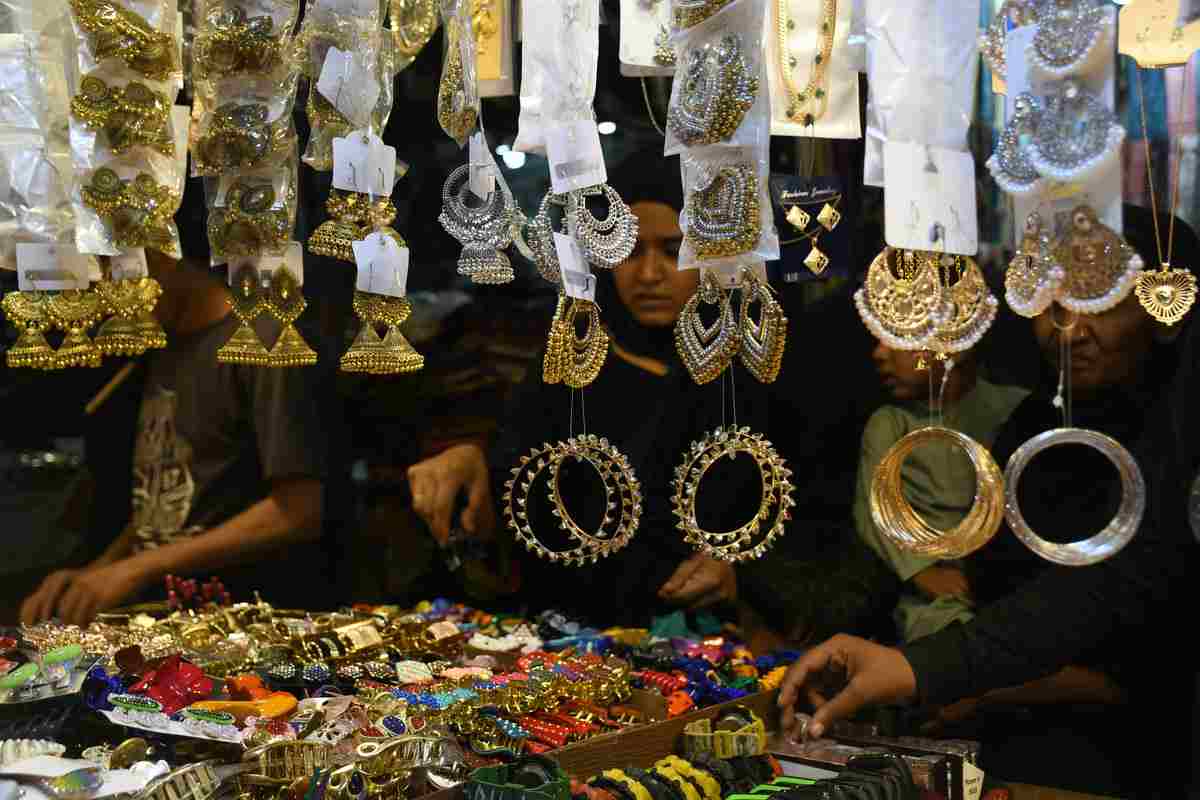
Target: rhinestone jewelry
[723, 213]
[896, 520]
[900, 307]
[623, 500]
[750, 540]
[762, 342]
[687, 13]
[484, 230]
[968, 306]
[992, 41]
[1070, 34]
[605, 243]
[1101, 269]
[707, 351]
[540, 236]
[282, 671]
[1076, 134]
[716, 90]
[1120, 529]
[1034, 276]
[1012, 164]
[316, 673]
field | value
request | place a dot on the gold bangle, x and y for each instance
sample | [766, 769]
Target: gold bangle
[900, 524]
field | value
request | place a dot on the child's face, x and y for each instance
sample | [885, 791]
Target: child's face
[899, 373]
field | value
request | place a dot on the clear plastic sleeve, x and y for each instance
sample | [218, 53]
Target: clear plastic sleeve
[115, 112]
[22, 83]
[413, 23]
[720, 91]
[248, 130]
[922, 63]
[458, 92]
[535, 47]
[128, 203]
[34, 205]
[327, 122]
[726, 218]
[251, 213]
[139, 33]
[241, 37]
[645, 48]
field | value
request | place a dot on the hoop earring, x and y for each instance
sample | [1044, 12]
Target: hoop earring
[583, 357]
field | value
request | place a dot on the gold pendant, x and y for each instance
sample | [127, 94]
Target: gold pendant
[816, 260]
[829, 217]
[1166, 294]
[798, 218]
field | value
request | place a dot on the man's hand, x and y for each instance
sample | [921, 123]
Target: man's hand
[436, 483]
[77, 596]
[699, 582]
[935, 582]
[873, 674]
[42, 604]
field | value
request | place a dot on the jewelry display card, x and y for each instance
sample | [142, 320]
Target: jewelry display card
[292, 258]
[730, 277]
[1159, 33]
[645, 48]
[363, 163]
[813, 242]
[1055, 201]
[576, 159]
[578, 280]
[51, 267]
[129, 265]
[382, 265]
[348, 82]
[806, 60]
[929, 199]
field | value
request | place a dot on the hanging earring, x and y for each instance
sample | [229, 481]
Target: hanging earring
[74, 311]
[244, 346]
[829, 217]
[583, 357]
[552, 362]
[366, 351]
[706, 352]
[285, 302]
[391, 355]
[816, 261]
[762, 342]
[27, 311]
[125, 301]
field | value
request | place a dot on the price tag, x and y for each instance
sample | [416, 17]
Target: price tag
[51, 267]
[729, 276]
[349, 84]
[483, 169]
[576, 160]
[578, 280]
[363, 163]
[382, 266]
[267, 265]
[929, 199]
[128, 266]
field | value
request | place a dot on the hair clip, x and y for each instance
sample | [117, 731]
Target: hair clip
[248, 224]
[117, 32]
[139, 212]
[723, 213]
[239, 136]
[231, 43]
[129, 116]
[717, 90]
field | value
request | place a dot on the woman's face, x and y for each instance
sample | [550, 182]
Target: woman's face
[649, 282]
[1106, 349]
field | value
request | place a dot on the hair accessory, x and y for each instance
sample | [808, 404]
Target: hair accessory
[246, 299]
[708, 351]
[723, 213]
[139, 212]
[285, 302]
[1069, 35]
[239, 136]
[230, 43]
[454, 113]
[605, 243]
[1034, 276]
[899, 523]
[1119, 531]
[748, 541]
[1075, 136]
[117, 32]
[718, 90]
[761, 343]
[1101, 269]
[483, 229]
[900, 299]
[129, 116]
[622, 492]
[249, 224]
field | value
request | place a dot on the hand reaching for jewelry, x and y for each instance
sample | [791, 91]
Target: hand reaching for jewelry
[838, 678]
[699, 582]
[437, 482]
[77, 596]
[41, 605]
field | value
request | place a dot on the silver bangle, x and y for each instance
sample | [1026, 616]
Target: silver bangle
[1120, 529]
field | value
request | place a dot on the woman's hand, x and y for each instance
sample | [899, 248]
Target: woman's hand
[699, 582]
[436, 483]
[936, 581]
[841, 676]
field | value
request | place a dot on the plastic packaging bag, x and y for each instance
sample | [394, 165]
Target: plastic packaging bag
[689, 13]
[246, 131]
[22, 83]
[535, 47]
[139, 33]
[458, 93]
[646, 48]
[493, 29]
[559, 56]
[34, 205]
[239, 37]
[251, 213]
[128, 203]
[922, 63]
[720, 93]
[727, 217]
[113, 114]
[413, 23]
[373, 70]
